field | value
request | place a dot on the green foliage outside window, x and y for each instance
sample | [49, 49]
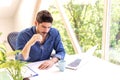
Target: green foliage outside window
[86, 21]
[115, 32]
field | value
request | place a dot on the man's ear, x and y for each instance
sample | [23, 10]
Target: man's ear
[36, 23]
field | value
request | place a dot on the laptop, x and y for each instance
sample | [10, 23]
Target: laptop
[74, 64]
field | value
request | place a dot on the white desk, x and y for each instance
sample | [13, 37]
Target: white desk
[91, 68]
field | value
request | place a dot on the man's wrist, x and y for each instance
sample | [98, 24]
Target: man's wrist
[55, 59]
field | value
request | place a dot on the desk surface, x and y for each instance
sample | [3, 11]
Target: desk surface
[91, 68]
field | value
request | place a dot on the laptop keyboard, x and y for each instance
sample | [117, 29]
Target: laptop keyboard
[75, 63]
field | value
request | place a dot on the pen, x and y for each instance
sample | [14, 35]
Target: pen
[36, 74]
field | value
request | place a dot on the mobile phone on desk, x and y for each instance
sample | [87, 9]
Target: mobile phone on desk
[74, 64]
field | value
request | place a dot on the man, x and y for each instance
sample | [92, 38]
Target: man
[38, 42]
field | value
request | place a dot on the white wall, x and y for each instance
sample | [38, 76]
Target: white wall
[6, 26]
[25, 14]
[22, 19]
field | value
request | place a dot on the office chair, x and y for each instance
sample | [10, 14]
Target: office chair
[12, 39]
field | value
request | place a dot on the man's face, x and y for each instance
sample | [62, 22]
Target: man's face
[43, 28]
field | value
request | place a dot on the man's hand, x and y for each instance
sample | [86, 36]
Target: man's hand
[35, 37]
[48, 64]
[26, 50]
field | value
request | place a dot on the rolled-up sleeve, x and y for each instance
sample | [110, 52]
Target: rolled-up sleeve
[19, 56]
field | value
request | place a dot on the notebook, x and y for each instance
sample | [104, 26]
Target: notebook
[28, 72]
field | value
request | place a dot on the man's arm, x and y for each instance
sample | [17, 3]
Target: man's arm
[59, 48]
[55, 59]
[26, 49]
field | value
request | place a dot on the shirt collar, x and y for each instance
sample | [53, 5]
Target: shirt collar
[34, 30]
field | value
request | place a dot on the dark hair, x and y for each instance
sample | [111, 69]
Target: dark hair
[44, 16]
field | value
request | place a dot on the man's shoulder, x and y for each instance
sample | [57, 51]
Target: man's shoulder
[54, 30]
[27, 30]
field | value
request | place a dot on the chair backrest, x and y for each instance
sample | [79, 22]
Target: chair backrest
[12, 39]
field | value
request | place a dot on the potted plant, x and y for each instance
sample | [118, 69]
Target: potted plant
[13, 67]
[2, 53]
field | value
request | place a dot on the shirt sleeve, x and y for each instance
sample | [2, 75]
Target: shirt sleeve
[19, 56]
[19, 46]
[60, 51]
